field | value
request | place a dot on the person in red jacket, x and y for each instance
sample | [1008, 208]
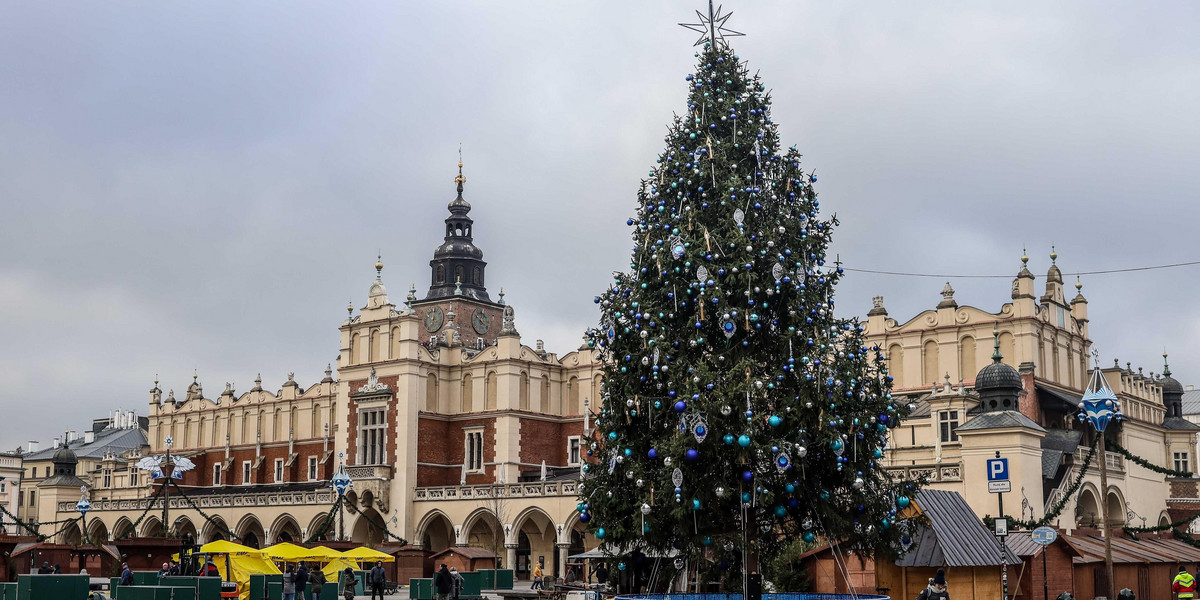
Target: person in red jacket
[1184, 585]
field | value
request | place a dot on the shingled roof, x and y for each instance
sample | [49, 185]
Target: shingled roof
[955, 537]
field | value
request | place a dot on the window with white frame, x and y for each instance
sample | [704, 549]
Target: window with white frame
[245, 472]
[133, 477]
[216, 474]
[1181, 461]
[474, 450]
[372, 436]
[107, 478]
[573, 451]
[279, 470]
[312, 468]
[948, 426]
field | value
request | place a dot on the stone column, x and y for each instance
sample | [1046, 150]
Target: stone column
[563, 550]
[510, 557]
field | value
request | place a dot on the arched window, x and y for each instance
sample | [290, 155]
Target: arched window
[245, 428]
[524, 400]
[572, 404]
[546, 402]
[373, 346]
[895, 358]
[395, 343]
[468, 393]
[317, 429]
[1006, 348]
[477, 276]
[278, 425]
[929, 367]
[966, 359]
[353, 348]
[294, 423]
[490, 384]
[458, 273]
[431, 393]
[441, 274]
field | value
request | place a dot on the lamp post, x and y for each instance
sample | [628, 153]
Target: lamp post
[1099, 408]
[83, 506]
[341, 482]
[167, 467]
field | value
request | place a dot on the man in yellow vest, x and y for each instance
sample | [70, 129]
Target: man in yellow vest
[1184, 585]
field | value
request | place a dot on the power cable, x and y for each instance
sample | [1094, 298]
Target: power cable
[1010, 276]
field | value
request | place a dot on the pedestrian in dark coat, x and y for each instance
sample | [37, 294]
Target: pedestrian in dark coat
[126, 575]
[348, 583]
[443, 583]
[317, 579]
[301, 581]
[377, 578]
[936, 589]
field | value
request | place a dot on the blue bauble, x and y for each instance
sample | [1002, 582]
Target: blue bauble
[774, 421]
[612, 435]
[652, 453]
[628, 452]
[680, 406]
[584, 517]
[743, 440]
[691, 454]
[701, 430]
[745, 497]
[748, 475]
[695, 504]
[789, 488]
[600, 533]
[780, 511]
[621, 567]
[902, 501]
[728, 438]
[808, 537]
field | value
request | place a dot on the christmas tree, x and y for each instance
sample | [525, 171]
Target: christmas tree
[739, 413]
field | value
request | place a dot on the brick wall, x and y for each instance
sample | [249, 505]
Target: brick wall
[298, 472]
[441, 442]
[1060, 571]
[547, 440]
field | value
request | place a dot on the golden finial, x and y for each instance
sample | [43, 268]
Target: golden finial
[1024, 256]
[1053, 254]
[379, 266]
[460, 179]
[1078, 285]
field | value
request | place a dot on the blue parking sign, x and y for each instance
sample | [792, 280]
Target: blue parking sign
[997, 469]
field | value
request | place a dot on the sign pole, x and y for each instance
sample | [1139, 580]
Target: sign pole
[1108, 561]
[1044, 536]
[1045, 583]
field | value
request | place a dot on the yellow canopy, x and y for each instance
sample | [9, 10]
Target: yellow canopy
[242, 566]
[336, 566]
[363, 554]
[227, 547]
[286, 551]
[323, 554]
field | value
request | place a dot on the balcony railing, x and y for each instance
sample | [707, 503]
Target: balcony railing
[369, 472]
[540, 489]
[946, 472]
[1113, 460]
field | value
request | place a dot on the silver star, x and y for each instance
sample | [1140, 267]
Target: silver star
[712, 27]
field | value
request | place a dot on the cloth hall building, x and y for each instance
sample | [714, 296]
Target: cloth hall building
[454, 431]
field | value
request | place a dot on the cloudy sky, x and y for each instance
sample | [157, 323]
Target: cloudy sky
[205, 185]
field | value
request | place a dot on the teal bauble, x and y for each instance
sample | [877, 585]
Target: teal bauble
[743, 440]
[728, 438]
[600, 533]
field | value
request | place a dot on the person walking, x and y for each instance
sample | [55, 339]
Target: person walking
[301, 581]
[936, 589]
[45, 569]
[537, 577]
[126, 575]
[289, 583]
[349, 582]
[458, 583]
[377, 578]
[317, 579]
[1184, 585]
[601, 574]
[443, 583]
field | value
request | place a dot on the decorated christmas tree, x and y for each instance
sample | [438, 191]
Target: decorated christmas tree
[739, 413]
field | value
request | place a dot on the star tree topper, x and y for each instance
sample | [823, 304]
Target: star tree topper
[712, 27]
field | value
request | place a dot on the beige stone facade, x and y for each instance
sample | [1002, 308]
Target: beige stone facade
[934, 358]
[11, 471]
[454, 431]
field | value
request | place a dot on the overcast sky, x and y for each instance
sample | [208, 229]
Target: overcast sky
[204, 185]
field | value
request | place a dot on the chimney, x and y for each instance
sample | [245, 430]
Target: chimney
[56, 444]
[32, 446]
[132, 422]
[89, 437]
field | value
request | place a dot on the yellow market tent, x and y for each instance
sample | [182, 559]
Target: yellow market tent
[227, 547]
[336, 566]
[324, 554]
[236, 563]
[364, 554]
[287, 552]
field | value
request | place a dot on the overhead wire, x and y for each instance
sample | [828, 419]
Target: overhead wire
[1010, 276]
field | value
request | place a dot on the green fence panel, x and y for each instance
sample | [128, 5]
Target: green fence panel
[145, 577]
[504, 579]
[274, 590]
[207, 588]
[8, 591]
[471, 585]
[489, 578]
[420, 589]
[258, 584]
[36, 587]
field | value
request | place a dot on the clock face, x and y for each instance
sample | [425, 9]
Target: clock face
[434, 318]
[480, 321]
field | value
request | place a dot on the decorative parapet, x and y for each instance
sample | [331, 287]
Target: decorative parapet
[512, 490]
[212, 501]
[951, 472]
[369, 472]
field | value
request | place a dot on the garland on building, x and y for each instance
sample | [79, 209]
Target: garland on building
[26, 526]
[326, 524]
[1145, 463]
[1174, 525]
[1058, 506]
[149, 506]
[1185, 538]
[387, 532]
[209, 518]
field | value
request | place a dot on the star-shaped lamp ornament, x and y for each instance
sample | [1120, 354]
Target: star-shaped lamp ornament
[712, 27]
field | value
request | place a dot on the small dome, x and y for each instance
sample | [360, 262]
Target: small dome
[998, 376]
[1170, 385]
[64, 455]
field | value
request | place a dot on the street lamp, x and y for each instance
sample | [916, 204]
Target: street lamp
[83, 506]
[341, 482]
[1099, 408]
